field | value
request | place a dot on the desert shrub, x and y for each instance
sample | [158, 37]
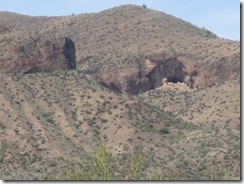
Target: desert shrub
[102, 164]
[100, 168]
[104, 167]
[164, 130]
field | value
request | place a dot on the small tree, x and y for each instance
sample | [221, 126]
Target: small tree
[144, 6]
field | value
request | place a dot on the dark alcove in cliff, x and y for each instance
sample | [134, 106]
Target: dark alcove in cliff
[174, 79]
[170, 69]
[69, 53]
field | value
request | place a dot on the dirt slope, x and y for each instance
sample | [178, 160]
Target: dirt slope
[140, 78]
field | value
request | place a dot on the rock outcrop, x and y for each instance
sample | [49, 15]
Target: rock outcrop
[107, 50]
[150, 72]
[41, 54]
[146, 74]
[219, 71]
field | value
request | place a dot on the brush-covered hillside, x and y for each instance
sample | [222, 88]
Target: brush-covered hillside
[127, 93]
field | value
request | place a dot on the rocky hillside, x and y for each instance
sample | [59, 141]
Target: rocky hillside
[116, 44]
[51, 122]
[127, 78]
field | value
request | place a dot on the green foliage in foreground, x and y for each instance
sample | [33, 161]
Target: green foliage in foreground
[130, 167]
[104, 167]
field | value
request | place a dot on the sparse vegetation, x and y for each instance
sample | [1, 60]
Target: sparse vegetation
[51, 123]
[103, 166]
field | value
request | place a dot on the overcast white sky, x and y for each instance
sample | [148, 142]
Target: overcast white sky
[219, 16]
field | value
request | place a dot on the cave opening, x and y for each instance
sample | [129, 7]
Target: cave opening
[173, 79]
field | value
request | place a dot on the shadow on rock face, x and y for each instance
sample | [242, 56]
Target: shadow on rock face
[69, 53]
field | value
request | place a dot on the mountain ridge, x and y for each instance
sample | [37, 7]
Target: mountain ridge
[123, 30]
[129, 79]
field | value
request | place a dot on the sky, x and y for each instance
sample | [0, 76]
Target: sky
[221, 17]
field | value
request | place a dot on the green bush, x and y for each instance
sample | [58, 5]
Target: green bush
[102, 164]
[164, 130]
[104, 167]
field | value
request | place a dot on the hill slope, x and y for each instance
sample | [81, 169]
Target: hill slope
[50, 120]
[112, 40]
[142, 79]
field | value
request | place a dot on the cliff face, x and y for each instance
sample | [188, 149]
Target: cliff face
[150, 72]
[106, 41]
[41, 55]
[146, 74]
[219, 71]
